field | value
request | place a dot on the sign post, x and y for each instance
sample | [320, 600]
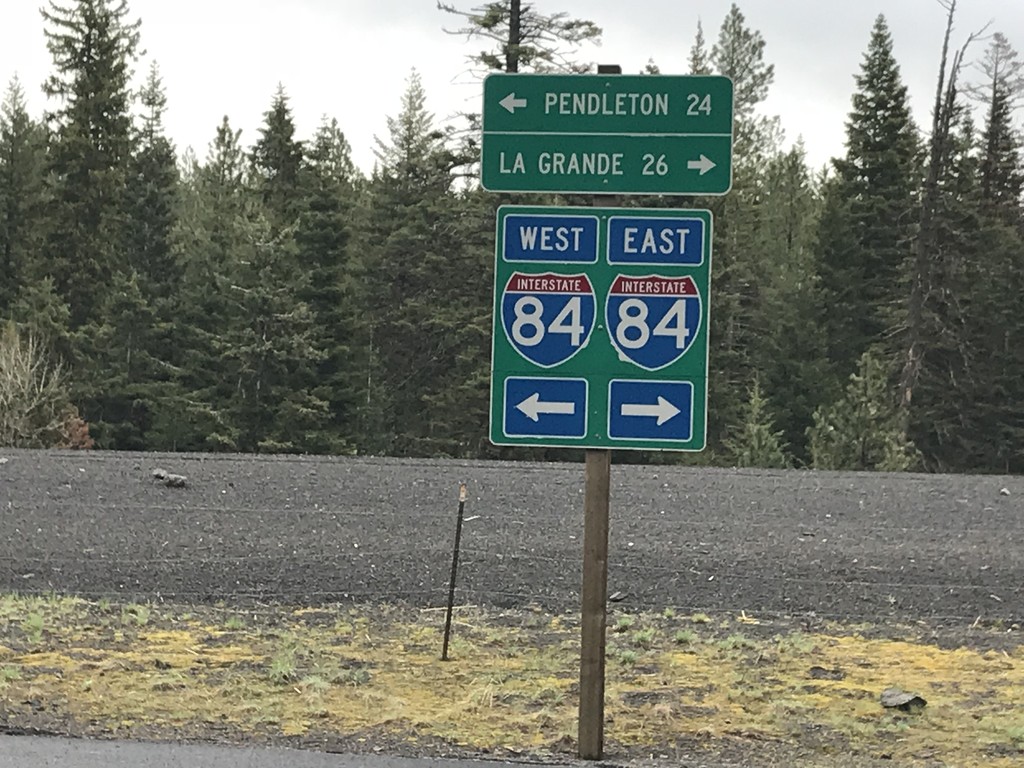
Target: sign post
[601, 314]
[600, 341]
[594, 601]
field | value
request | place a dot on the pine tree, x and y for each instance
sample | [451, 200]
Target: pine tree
[990, 432]
[787, 344]
[322, 237]
[120, 382]
[1002, 172]
[940, 415]
[148, 290]
[43, 313]
[270, 349]
[209, 234]
[699, 63]
[152, 199]
[975, 425]
[869, 224]
[756, 442]
[407, 226]
[94, 46]
[461, 274]
[22, 157]
[276, 163]
[922, 324]
[863, 429]
[738, 305]
[739, 55]
[526, 40]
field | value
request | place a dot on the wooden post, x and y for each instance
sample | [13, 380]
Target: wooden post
[594, 594]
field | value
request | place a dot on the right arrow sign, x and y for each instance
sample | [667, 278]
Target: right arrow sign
[663, 410]
[703, 164]
[650, 410]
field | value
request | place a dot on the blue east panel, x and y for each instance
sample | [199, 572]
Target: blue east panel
[552, 392]
[550, 238]
[554, 348]
[642, 240]
[646, 393]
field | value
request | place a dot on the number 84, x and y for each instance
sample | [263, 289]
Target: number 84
[633, 330]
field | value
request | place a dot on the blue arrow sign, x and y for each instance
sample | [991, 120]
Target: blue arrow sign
[650, 410]
[548, 318]
[543, 407]
[652, 319]
[559, 239]
[645, 240]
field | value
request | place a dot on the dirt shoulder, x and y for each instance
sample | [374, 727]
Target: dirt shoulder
[681, 689]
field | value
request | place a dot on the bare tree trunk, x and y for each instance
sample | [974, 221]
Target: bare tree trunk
[926, 247]
[514, 36]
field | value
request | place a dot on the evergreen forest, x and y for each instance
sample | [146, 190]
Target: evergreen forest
[268, 296]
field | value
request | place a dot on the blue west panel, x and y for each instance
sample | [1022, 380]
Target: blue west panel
[627, 424]
[551, 394]
[544, 238]
[647, 240]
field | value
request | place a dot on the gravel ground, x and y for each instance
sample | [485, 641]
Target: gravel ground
[304, 530]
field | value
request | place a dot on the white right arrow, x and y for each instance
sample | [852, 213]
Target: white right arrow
[510, 102]
[703, 165]
[664, 410]
[533, 407]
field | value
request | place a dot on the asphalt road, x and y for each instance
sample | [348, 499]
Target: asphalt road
[315, 530]
[36, 752]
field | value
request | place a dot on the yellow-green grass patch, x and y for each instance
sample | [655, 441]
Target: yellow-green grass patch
[512, 680]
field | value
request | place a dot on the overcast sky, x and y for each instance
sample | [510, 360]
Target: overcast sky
[349, 59]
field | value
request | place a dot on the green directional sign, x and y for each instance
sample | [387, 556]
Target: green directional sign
[607, 134]
[601, 328]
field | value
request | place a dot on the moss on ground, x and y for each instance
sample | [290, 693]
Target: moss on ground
[84, 667]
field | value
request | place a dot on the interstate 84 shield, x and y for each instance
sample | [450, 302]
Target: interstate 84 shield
[548, 318]
[653, 320]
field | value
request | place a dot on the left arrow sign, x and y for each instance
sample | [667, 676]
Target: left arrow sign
[511, 103]
[533, 407]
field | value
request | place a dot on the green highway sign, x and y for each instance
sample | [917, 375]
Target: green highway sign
[600, 335]
[607, 134]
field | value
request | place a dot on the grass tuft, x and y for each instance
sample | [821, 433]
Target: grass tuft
[624, 623]
[135, 614]
[626, 657]
[644, 638]
[33, 625]
[283, 667]
[685, 637]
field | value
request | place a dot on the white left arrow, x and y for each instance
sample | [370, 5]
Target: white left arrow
[510, 102]
[533, 407]
[704, 164]
[664, 410]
